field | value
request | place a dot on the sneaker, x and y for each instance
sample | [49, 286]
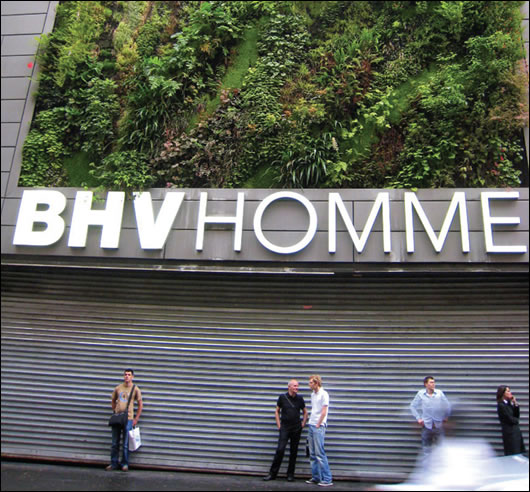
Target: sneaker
[125, 468]
[110, 468]
[311, 480]
[325, 484]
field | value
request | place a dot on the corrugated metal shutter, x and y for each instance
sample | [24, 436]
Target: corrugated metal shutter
[212, 352]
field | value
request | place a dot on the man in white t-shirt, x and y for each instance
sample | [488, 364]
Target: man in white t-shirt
[320, 472]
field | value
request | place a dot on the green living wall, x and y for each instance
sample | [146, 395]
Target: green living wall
[279, 94]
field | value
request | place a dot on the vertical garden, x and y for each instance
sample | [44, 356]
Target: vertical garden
[279, 94]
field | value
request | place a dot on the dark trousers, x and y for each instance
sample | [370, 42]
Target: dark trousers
[286, 434]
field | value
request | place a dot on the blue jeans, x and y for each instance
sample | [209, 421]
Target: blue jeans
[319, 461]
[117, 432]
[430, 437]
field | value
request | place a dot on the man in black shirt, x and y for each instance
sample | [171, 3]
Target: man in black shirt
[289, 405]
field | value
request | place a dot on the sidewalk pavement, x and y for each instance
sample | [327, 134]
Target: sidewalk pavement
[58, 477]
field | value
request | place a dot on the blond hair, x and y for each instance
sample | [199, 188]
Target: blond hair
[317, 379]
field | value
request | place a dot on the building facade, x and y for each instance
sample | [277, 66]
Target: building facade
[217, 298]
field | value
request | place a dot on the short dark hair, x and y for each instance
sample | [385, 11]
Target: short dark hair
[426, 379]
[129, 370]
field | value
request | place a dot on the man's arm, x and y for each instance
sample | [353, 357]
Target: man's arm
[113, 400]
[304, 419]
[277, 416]
[414, 408]
[323, 414]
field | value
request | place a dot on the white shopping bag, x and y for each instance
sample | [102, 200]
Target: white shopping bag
[135, 441]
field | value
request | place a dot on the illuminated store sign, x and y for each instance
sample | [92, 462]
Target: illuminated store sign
[40, 222]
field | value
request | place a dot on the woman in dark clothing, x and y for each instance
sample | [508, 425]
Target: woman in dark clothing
[508, 412]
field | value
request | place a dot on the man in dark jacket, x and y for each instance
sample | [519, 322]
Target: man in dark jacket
[287, 414]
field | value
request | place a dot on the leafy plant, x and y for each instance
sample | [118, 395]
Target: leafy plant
[207, 156]
[305, 161]
[77, 42]
[44, 149]
[212, 29]
[95, 108]
[357, 94]
[123, 170]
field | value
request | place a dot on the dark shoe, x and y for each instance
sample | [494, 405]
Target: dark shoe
[125, 468]
[269, 477]
[311, 481]
[110, 468]
[290, 478]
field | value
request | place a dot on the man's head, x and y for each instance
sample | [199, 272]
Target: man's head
[128, 376]
[429, 383]
[292, 387]
[315, 382]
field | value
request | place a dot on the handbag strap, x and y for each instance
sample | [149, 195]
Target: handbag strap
[289, 401]
[130, 396]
